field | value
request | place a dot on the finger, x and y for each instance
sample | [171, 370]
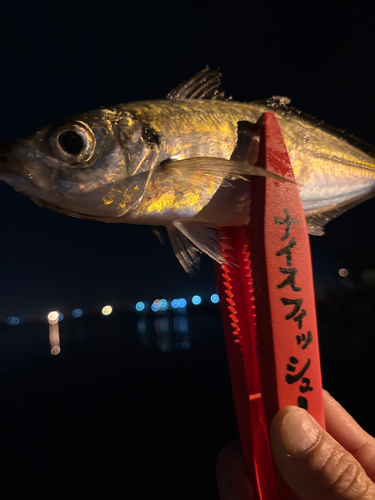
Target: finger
[313, 463]
[349, 434]
[231, 477]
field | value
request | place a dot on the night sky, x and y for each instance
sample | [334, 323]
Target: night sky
[62, 58]
[125, 411]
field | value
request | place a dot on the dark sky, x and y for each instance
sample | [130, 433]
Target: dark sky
[61, 58]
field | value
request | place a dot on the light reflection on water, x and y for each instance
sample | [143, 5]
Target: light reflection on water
[54, 335]
[143, 332]
[165, 331]
[171, 329]
[164, 339]
[54, 338]
[136, 370]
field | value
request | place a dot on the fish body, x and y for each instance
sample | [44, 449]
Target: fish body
[329, 171]
[174, 162]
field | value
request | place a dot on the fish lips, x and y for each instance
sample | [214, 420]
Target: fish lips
[33, 177]
[27, 178]
[38, 182]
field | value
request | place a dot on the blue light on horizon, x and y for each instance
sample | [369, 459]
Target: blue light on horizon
[13, 320]
[179, 304]
[215, 298]
[182, 303]
[155, 307]
[196, 300]
[140, 306]
[77, 313]
[163, 304]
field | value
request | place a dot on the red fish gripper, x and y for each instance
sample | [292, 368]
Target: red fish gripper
[268, 312]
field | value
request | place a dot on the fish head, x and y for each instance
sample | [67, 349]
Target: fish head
[91, 166]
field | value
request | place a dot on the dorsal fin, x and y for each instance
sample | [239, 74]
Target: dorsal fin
[203, 85]
[278, 104]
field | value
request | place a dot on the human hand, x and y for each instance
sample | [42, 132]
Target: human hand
[337, 464]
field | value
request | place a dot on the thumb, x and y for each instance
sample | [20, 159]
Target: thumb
[313, 463]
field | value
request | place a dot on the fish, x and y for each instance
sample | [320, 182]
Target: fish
[184, 162]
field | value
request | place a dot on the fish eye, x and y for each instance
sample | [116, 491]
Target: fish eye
[73, 143]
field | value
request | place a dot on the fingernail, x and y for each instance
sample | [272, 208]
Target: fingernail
[225, 485]
[299, 431]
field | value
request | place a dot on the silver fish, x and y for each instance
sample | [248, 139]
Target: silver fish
[174, 162]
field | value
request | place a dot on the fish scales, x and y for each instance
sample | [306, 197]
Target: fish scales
[183, 162]
[327, 169]
[214, 123]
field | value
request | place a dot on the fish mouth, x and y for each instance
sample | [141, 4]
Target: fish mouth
[51, 201]
[14, 173]
[9, 163]
[41, 184]
[39, 196]
[24, 186]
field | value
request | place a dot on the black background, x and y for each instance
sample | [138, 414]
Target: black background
[61, 58]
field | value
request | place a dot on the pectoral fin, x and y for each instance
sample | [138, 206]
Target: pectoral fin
[220, 168]
[190, 238]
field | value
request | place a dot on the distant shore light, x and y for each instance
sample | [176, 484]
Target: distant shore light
[140, 306]
[343, 272]
[106, 311]
[77, 313]
[155, 306]
[53, 317]
[13, 320]
[196, 300]
[163, 304]
[182, 303]
[215, 298]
